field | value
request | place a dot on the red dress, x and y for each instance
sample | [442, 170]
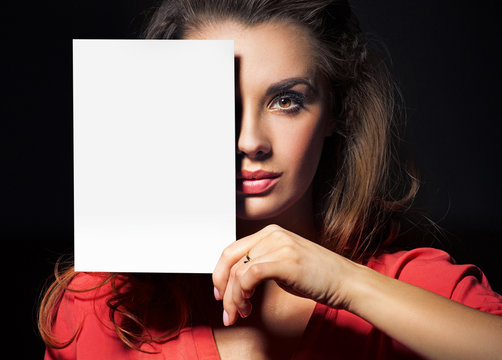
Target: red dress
[330, 333]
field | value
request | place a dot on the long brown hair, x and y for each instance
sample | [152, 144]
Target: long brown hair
[361, 193]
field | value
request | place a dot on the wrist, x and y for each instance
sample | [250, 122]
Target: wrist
[362, 288]
[346, 293]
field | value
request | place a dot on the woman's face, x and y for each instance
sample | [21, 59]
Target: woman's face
[280, 115]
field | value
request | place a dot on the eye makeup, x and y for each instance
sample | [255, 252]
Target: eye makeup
[287, 84]
[289, 102]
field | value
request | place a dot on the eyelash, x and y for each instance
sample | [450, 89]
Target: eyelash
[296, 98]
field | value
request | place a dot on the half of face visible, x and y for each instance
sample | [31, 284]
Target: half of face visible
[281, 125]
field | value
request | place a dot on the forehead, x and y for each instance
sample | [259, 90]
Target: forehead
[266, 51]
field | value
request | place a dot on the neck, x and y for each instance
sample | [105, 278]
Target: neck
[298, 219]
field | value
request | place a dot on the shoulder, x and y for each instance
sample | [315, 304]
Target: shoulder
[91, 287]
[85, 294]
[82, 318]
[84, 298]
[435, 270]
[403, 264]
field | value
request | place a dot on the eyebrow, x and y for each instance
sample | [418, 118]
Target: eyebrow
[287, 84]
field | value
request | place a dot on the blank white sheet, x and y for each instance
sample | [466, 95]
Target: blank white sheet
[154, 154]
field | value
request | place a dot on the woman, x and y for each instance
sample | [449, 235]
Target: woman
[322, 212]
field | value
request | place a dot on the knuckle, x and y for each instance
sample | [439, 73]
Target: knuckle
[220, 274]
[276, 234]
[217, 278]
[247, 291]
[289, 250]
[273, 227]
[227, 253]
[290, 255]
[256, 270]
[239, 272]
[282, 237]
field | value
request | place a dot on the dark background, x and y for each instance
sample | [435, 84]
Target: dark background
[445, 57]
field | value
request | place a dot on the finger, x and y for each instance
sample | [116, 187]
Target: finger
[247, 276]
[241, 298]
[233, 253]
[229, 307]
[236, 301]
[258, 272]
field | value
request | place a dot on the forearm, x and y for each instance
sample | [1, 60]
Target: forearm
[431, 325]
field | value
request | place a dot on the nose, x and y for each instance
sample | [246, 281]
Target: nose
[253, 141]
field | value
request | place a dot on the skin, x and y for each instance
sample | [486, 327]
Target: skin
[274, 293]
[271, 137]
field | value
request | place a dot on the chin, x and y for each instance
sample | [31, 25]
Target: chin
[250, 216]
[258, 209]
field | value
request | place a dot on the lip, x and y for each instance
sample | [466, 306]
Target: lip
[256, 182]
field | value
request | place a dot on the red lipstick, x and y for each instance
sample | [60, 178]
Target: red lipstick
[256, 182]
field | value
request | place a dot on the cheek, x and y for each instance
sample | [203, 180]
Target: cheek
[309, 157]
[302, 146]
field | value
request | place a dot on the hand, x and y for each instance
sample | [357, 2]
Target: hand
[298, 265]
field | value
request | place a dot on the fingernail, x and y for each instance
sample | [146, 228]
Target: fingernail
[246, 311]
[226, 321]
[217, 295]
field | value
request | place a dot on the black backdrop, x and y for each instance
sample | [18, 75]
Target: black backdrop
[445, 57]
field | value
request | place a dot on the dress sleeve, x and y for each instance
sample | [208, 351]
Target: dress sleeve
[436, 271]
[474, 290]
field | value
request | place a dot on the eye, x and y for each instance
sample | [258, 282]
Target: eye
[285, 102]
[288, 102]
